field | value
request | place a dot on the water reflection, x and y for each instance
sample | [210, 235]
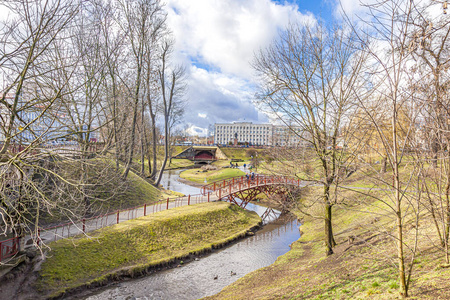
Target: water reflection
[170, 181]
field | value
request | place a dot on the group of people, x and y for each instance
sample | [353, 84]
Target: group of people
[237, 166]
[250, 176]
[233, 165]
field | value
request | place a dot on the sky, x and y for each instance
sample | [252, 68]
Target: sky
[216, 40]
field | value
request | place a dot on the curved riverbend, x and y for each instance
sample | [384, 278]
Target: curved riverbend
[207, 275]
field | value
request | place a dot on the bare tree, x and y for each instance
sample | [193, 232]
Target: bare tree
[142, 20]
[308, 79]
[388, 75]
[172, 90]
[84, 106]
[113, 51]
[28, 99]
[152, 94]
[430, 43]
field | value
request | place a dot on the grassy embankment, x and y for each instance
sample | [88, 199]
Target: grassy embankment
[199, 176]
[131, 248]
[239, 153]
[360, 269]
[107, 189]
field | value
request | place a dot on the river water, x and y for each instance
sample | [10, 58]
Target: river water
[209, 274]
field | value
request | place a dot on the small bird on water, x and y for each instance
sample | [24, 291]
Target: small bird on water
[216, 276]
[232, 273]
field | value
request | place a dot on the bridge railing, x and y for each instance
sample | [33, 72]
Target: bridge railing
[250, 182]
[61, 231]
[9, 248]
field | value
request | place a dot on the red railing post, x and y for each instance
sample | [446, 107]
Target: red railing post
[214, 187]
[220, 194]
[189, 199]
[84, 225]
[233, 180]
[118, 212]
[208, 196]
[298, 182]
[167, 203]
[145, 210]
[230, 189]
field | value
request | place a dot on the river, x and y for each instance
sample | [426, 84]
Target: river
[210, 273]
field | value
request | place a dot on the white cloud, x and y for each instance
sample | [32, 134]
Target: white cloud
[350, 7]
[202, 115]
[195, 130]
[225, 34]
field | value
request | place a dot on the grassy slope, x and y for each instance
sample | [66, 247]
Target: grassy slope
[141, 192]
[239, 153]
[179, 163]
[360, 270]
[235, 153]
[111, 193]
[197, 175]
[138, 244]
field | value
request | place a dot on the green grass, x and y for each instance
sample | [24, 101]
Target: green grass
[239, 153]
[197, 175]
[140, 193]
[133, 246]
[179, 164]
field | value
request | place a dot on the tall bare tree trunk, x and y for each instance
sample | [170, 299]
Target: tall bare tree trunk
[398, 200]
[329, 240]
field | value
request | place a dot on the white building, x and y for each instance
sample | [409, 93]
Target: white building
[244, 132]
[256, 134]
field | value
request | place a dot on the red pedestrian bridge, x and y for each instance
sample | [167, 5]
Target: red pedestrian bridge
[242, 190]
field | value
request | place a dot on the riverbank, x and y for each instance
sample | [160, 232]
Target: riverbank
[362, 267]
[137, 247]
